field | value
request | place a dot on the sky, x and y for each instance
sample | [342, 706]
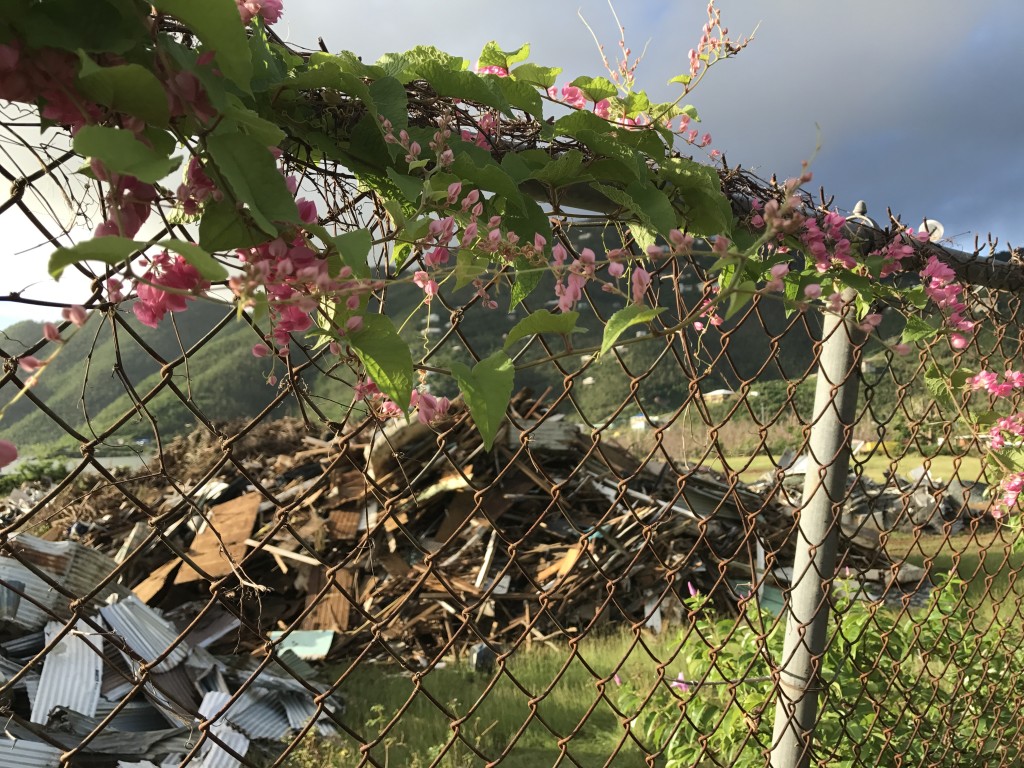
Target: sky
[910, 105]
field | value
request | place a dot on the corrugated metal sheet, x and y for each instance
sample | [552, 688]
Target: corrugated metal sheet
[78, 568]
[22, 753]
[134, 717]
[72, 672]
[214, 756]
[32, 612]
[300, 710]
[259, 717]
[145, 632]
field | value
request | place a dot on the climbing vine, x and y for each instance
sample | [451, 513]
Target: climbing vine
[214, 147]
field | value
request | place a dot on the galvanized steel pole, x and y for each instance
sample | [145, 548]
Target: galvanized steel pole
[835, 402]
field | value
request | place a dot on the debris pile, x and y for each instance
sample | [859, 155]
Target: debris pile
[208, 582]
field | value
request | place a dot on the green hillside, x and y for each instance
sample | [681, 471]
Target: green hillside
[106, 367]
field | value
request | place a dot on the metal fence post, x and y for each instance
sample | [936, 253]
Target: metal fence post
[835, 402]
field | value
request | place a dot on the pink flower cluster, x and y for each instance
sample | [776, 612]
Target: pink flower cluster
[129, 202]
[1011, 487]
[428, 407]
[826, 243]
[167, 286]
[898, 249]
[569, 281]
[989, 381]
[45, 76]
[492, 69]
[269, 10]
[941, 287]
[197, 188]
[294, 276]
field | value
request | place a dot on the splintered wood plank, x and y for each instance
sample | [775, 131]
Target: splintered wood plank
[233, 522]
[331, 611]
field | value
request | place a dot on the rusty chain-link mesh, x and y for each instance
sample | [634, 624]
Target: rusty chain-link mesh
[303, 585]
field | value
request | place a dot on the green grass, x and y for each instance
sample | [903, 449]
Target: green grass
[966, 468]
[564, 687]
[983, 557]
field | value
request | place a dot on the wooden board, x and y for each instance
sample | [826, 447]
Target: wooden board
[232, 522]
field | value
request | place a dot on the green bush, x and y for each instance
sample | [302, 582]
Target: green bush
[926, 688]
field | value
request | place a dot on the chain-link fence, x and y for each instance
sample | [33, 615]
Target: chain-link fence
[699, 549]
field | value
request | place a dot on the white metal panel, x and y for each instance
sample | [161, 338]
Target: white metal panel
[72, 672]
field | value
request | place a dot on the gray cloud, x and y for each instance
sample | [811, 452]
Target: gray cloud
[916, 105]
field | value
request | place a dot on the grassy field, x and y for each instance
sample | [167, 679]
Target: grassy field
[966, 468]
[567, 689]
[573, 693]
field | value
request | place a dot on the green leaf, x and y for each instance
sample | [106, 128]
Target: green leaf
[918, 330]
[129, 88]
[522, 96]
[623, 319]
[223, 227]
[109, 250]
[947, 390]
[596, 88]
[581, 120]
[468, 266]
[354, 248]
[265, 132]
[251, 172]
[637, 103]
[542, 321]
[424, 54]
[395, 65]
[208, 267]
[708, 211]
[120, 152]
[489, 176]
[219, 26]
[493, 56]
[108, 26]
[562, 170]
[647, 204]
[465, 85]
[386, 358]
[487, 390]
[655, 206]
[644, 236]
[391, 101]
[410, 186]
[543, 77]
[1009, 459]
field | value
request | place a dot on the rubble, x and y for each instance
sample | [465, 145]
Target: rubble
[207, 584]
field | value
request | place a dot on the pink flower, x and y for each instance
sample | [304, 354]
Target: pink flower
[603, 109]
[640, 281]
[50, 332]
[958, 341]
[270, 10]
[260, 350]
[173, 273]
[680, 683]
[115, 290]
[30, 363]
[8, 453]
[422, 279]
[616, 269]
[573, 96]
[812, 291]
[492, 69]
